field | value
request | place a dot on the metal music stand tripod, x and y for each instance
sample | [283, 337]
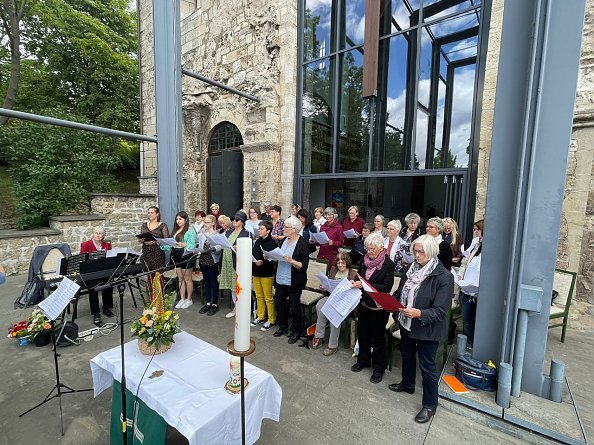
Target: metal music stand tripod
[59, 387]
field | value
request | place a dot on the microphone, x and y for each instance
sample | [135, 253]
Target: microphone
[216, 248]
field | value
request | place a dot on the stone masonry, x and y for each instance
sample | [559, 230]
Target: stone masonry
[120, 215]
[242, 44]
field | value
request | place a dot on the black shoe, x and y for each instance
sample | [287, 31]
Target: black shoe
[108, 312]
[376, 377]
[399, 387]
[424, 415]
[97, 320]
[213, 309]
[204, 309]
[293, 339]
[280, 332]
[358, 367]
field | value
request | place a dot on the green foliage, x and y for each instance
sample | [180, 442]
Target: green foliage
[55, 168]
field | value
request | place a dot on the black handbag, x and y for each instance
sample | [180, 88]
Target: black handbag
[66, 334]
[475, 374]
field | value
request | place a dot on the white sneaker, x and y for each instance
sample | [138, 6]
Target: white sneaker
[180, 304]
[188, 304]
[256, 322]
[230, 315]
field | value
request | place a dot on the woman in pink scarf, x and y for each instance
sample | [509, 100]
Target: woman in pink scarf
[378, 270]
[426, 294]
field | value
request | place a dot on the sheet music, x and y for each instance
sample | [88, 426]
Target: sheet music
[166, 242]
[320, 238]
[254, 259]
[350, 233]
[328, 284]
[117, 250]
[55, 303]
[218, 240]
[341, 302]
[276, 254]
[465, 287]
[366, 286]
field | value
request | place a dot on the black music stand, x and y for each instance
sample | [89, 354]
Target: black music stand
[59, 387]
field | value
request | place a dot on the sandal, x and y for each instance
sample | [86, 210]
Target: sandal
[317, 342]
[330, 351]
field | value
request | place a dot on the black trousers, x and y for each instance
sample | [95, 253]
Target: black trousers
[426, 350]
[107, 297]
[280, 302]
[371, 332]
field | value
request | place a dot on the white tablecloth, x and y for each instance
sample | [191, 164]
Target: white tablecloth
[190, 394]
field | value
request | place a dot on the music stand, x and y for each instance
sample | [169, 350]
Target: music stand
[54, 306]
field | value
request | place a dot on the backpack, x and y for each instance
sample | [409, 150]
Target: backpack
[32, 294]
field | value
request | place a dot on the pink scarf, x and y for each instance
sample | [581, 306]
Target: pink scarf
[375, 264]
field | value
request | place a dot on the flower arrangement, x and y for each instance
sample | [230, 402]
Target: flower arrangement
[158, 324]
[38, 324]
[19, 330]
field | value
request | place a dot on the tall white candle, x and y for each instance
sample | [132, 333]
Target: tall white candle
[244, 294]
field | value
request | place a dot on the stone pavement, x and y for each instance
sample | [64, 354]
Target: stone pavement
[323, 401]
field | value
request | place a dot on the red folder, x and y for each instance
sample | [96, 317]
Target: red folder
[386, 301]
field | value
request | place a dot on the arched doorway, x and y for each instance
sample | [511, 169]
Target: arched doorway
[224, 168]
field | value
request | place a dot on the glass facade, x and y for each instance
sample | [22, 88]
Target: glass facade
[419, 120]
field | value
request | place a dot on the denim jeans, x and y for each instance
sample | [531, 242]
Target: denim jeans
[426, 350]
[468, 316]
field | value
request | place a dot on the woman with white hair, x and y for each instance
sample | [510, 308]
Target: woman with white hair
[97, 244]
[426, 294]
[335, 234]
[378, 270]
[396, 247]
[434, 228]
[291, 276]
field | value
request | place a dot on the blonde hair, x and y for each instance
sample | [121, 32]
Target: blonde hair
[210, 218]
[224, 219]
[454, 225]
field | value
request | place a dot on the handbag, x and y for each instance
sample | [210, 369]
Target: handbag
[475, 374]
[66, 334]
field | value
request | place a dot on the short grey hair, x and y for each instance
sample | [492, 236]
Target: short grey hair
[430, 246]
[292, 222]
[99, 229]
[374, 239]
[380, 217]
[331, 210]
[396, 224]
[437, 222]
[412, 218]
[355, 208]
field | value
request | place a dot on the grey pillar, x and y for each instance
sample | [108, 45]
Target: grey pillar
[168, 73]
[536, 85]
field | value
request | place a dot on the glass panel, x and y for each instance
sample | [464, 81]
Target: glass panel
[393, 197]
[353, 29]
[421, 125]
[317, 117]
[425, 68]
[439, 124]
[389, 154]
[401, 15]
[354, 116]
[317, 29]
[461, 49]
[461, 124]
[454, 24]
[433, 10]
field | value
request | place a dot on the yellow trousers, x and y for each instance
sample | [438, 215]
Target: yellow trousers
[264, 298]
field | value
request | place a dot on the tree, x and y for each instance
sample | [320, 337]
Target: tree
[11, 14]
[56, 168]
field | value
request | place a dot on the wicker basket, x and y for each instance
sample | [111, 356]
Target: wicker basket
[152, 350]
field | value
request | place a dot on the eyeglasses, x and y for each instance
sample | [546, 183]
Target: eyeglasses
[475, 228]
[252, 211]
[418, 252]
